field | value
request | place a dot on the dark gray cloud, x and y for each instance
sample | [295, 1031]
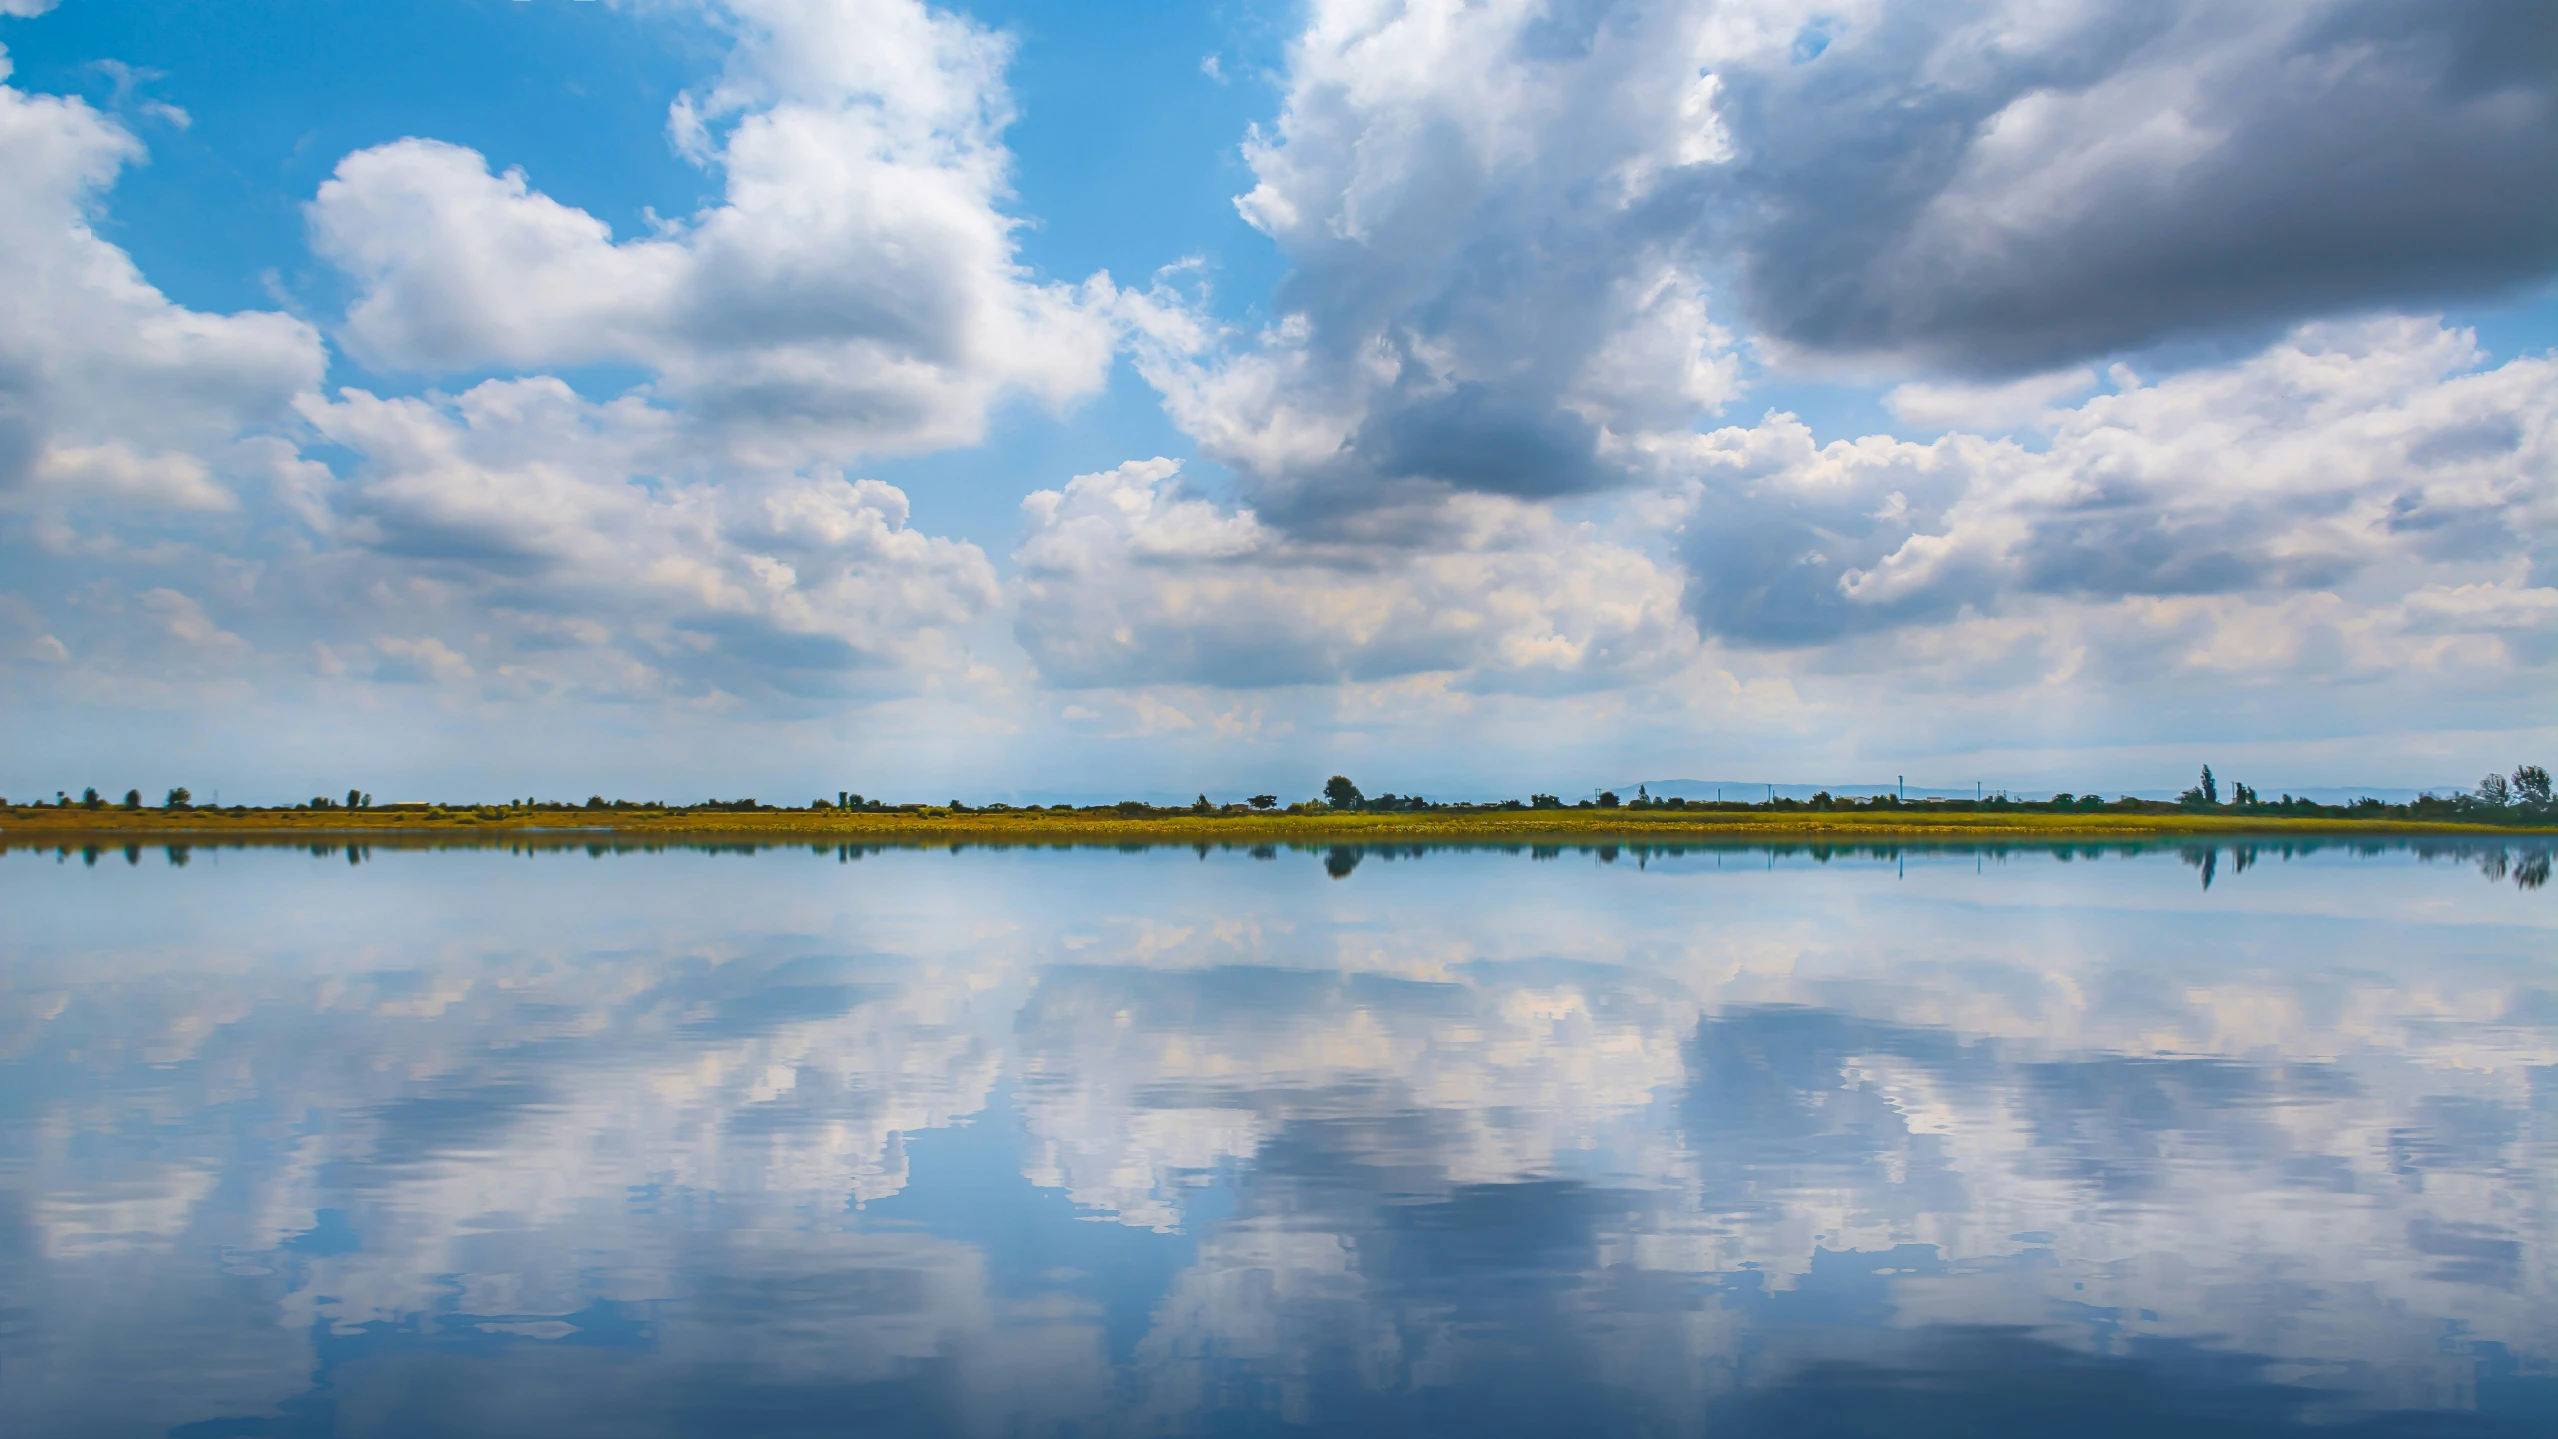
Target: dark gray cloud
[1512, 228]
[2135, 174]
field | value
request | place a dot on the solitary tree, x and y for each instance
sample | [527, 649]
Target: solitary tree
[179, 798]
[89, 799]
[2531, 784]
[1340, 793]
[2492, 791]
[1607, 799]
[1264, 801]
[133, 799]
[2208, 792]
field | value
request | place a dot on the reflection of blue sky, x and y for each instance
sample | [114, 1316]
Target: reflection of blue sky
[1006, 1141]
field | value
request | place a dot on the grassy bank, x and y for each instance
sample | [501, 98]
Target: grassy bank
[1118, 825]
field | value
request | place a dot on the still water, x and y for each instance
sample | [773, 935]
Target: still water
[1732, 1142]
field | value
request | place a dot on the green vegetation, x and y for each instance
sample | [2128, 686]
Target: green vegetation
[1343, 812]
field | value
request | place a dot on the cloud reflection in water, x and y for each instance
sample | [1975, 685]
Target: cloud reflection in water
[912, 1142]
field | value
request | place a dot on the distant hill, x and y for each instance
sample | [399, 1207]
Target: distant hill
[1758, 791]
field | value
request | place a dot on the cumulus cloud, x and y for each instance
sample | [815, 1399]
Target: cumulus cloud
[109, 393]
[579, 547]
[1507, 220]
[855, 290]
[1126, 579]
[689, 542]
[2353, 465]
[1497, 270]
[2364, 502]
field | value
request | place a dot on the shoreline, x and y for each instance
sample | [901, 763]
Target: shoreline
[1035, 827]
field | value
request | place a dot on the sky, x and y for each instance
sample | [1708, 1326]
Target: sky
[1037, 401]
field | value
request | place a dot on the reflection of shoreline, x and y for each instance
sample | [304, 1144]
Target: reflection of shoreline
[2525, 857]
[1130, 1141]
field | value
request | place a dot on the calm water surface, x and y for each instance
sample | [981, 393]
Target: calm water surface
[1736, 1143]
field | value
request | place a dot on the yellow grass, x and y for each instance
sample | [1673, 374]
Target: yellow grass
[47, 825]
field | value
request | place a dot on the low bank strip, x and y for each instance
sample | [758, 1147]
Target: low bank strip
[49, 825]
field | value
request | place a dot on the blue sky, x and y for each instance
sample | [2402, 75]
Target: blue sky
[1037, 400]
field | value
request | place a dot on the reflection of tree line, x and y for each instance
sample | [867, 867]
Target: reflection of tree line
[2526, 863]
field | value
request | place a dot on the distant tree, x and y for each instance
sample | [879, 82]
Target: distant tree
[1201, 805]
[1340, 793]
[2062, 801]
[2531, 784]
[1264, 801]
[1545, 801]
[133, 799]
[2492, 792]
[2207, 792]
[89, 799]
[179, 798]
[1607, 799]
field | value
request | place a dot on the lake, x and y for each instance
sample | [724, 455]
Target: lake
[564, 1139]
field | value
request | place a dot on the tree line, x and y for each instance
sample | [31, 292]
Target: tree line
[2521, 797]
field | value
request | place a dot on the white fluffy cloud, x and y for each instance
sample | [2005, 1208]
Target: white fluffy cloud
[110, 394]
[1525, 238]
[855, 291]
[1125, 579]
[691, 541]
[549, 543]
[1496, 274]
[2364, 504]
[2355, 466]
